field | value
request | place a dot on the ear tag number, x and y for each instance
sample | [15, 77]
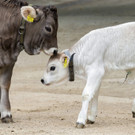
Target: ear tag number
[65, 63]
[30, 19]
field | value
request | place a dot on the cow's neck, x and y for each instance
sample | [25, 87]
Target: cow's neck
[10, 20]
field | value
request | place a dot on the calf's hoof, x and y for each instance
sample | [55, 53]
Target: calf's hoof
[90, 122]
[133, 114]
[79, 125]
[7, 119]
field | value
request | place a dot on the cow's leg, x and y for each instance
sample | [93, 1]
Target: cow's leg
[0, 102]
[5, 79]
[133, 108]
[93, 109]
[0, 94]
[93, 82]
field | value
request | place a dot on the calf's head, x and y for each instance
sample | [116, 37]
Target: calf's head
[41, 29]
[57, 70]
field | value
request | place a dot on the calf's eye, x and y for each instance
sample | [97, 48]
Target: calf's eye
[52, 68]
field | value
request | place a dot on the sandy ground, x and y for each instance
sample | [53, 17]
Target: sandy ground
[39, 110]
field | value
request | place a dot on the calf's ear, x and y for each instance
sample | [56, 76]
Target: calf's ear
[65, 60]
[28, 13]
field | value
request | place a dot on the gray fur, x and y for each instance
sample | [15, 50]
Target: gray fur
[35, 39]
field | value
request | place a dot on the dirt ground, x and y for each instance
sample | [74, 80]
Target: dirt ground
[40, 110]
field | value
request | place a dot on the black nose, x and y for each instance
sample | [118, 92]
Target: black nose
[42, 81]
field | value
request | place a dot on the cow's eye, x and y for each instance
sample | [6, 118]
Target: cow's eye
[48, 29]
[52, 68]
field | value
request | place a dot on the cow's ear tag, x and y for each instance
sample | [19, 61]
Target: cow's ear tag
[30, 19]
[65, 63]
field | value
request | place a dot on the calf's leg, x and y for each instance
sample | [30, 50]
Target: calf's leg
[133, 108]
[93, 109]
[5, 81]
[93, 82]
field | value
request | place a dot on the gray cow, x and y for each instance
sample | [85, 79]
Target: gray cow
[32, 28]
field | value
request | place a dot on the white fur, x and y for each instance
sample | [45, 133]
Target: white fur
[5, 114]
[111, 48]
[4, 109]
[24, 13]
[50, 51]
[133, 107]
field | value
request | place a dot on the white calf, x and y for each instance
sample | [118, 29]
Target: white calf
[98, 51]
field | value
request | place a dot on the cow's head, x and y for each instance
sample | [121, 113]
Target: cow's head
[41, 29]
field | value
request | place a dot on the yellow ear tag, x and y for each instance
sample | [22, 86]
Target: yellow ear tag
[30, 19]
[65, 63]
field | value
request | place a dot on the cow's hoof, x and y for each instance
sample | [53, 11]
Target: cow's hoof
[133, 114]
[79, 125]
[90, 122]
[7, 119]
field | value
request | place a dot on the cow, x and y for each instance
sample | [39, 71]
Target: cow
[31, 28]
[110, 48]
